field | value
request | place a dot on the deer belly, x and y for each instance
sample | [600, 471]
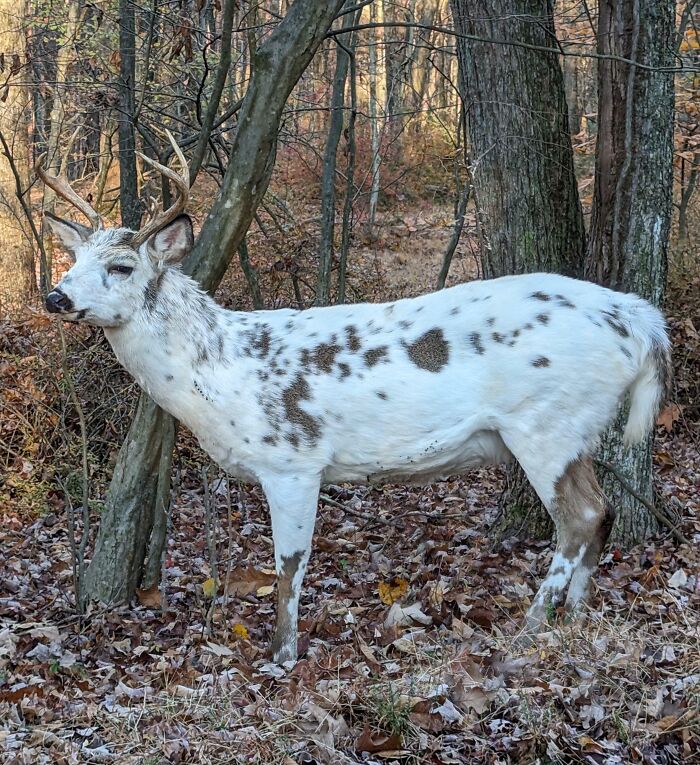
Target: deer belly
[431, 461]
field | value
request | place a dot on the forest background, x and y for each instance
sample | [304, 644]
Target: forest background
[389, 148]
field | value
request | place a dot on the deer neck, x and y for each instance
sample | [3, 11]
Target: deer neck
[177, 334]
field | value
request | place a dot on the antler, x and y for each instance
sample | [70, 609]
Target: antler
[182, 184]
[59, 184]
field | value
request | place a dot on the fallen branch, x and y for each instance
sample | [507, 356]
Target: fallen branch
[627, 486]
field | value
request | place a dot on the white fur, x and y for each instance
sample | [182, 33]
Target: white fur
[530, 366]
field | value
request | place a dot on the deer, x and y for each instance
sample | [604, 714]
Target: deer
[529, 368]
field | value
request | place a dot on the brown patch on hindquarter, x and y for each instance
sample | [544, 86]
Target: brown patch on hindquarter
[430, 351]
[576, 492]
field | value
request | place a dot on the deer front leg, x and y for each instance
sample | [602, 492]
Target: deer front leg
[293, 501]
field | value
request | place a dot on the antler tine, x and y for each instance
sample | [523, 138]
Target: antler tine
[60, 185]
[182, 184]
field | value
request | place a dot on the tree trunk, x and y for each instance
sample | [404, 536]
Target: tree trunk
[522, 167]
[374, 121]
[134, 493]
[17, 280]
[128, 191]
[632, 201]
[326, 244]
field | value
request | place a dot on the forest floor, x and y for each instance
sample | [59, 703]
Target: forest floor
[409, 613]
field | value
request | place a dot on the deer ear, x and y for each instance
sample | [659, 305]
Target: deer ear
[70, 234]
[173, 242]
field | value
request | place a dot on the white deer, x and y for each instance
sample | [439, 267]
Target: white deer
[530, 368]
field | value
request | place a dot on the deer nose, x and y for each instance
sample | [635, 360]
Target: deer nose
[58, 302]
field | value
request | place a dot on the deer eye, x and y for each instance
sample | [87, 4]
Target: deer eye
[119, 269]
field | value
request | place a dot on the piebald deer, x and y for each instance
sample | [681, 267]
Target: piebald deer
[530, 368]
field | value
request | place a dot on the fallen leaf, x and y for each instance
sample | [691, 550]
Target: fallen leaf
[378, 742]
[149, 598]
[390, 592]
[210, 587]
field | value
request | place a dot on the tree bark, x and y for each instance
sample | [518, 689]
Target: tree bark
[335, 128]
[128, 187]
[374, 121]
[134, 494]
[632, 202]
[522, 167]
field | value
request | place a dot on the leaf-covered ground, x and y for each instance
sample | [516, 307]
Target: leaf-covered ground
[408, 619]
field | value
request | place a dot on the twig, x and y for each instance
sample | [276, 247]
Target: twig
[627, 486]
[229, 551]
[86, 473]
[209, 514]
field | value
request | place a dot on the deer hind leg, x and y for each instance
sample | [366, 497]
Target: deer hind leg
[583, 520]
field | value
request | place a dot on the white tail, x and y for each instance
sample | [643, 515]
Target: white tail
[649, 389]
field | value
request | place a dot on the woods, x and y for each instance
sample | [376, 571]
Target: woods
[342, 153]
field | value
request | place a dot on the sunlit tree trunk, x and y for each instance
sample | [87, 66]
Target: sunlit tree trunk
[374, 121]
[631, 216]
[522, 166]
[17, 280]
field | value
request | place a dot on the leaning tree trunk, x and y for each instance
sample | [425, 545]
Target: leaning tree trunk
[522, 166]
[632, 198]
[278, 65]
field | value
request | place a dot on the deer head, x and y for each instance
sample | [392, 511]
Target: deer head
[114, 268]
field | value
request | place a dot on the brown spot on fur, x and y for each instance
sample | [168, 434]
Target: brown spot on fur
[269, 440]
[564, 302]
[291, 397]
[625, 351]
[541, 361]
[543, 318]
[293, 439]
[491, 321]
[613, 320]
[344, 370]
[352, 339]
[475, 340]
[430, 351]
[498, 337]
[382, 395]
[375, 355]
[455, 311]
[405, 324]
[528, 326]
[323, 356]
[261, 342]
[539, 295]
